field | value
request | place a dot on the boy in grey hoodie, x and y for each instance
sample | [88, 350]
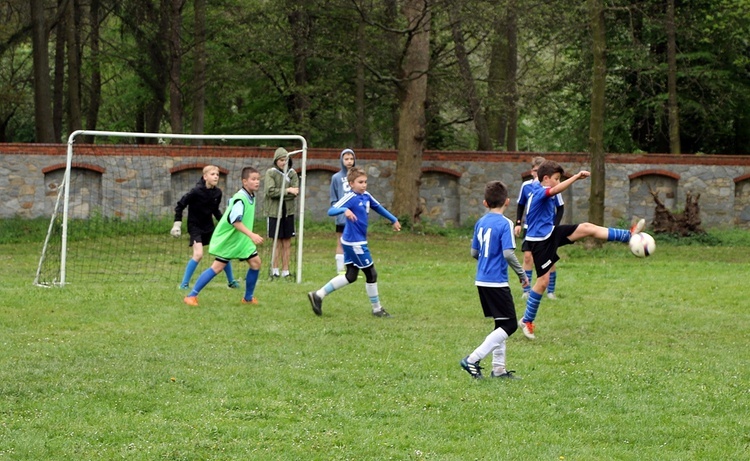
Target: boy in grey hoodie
[339, 187]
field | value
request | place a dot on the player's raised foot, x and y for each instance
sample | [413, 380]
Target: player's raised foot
[184, 286]
[471, 368]
[382, 313]
[191, 300]
[252, 301]
[638, 227]
[316, 302]
[507, 375]
[527, 328]
[551, 296]
[233, 284]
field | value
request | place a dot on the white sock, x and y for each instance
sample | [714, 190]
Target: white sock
[275, 271]
[285, 273]
[372, 292]
[340, 267]
[334, 284]
[491, 342]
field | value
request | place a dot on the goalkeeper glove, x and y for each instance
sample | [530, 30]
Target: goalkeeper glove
[176, 229]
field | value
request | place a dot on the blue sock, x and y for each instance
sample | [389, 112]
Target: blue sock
[552, 280]
[189, 269]
[205, 277]
[528, 276]
[532, 305]
[228, 271]
[250, 280]
[618, 235]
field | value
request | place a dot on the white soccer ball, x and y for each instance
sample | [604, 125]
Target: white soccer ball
[642, 245]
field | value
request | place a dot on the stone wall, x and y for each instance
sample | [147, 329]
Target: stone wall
[451, 190]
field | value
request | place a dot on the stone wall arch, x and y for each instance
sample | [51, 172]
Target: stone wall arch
[742, 201]
[85, 189]
[318, 192]
[641, 202]
[440, 196]
[184, 177]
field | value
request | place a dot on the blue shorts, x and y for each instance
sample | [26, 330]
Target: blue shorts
[359, 255]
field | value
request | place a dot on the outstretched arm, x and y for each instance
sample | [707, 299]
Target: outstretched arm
[568, 182]
[510, 256]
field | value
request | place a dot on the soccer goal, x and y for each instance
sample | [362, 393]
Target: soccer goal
[111, 209]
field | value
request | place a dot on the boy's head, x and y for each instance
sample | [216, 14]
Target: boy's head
[357, 179]
[280, 157]
[535, 162]
[347, 158]
[495, 195]
[211, 175]
[250, 179]
[550, 171]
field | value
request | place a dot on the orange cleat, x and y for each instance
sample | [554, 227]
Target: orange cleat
[191, 300]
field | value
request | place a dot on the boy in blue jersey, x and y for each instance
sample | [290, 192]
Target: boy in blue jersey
[493, 246]
[355, 205]
[528, 261]
[234, 239]
[544, 236]
[339, 187]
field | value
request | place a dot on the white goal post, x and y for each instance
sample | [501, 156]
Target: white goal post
[65, 184]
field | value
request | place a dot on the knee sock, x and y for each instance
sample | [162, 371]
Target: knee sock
[529, 273]
[205, 277]
[229, 272]
[532, 306]
[250, 280]
[340, 267]
[334, 284]
[552, 280]
[492, 341]
[189, 269]
[372, 293]
[618, 235]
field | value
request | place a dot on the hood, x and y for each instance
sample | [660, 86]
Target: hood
[281, 152]
[341, 158]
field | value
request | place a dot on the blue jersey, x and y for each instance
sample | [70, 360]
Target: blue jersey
[523, 196]
[355, 232]
[540, 213]
[493, 234]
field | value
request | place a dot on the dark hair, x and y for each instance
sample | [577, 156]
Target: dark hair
[495, 194]
[354, 173]
[248, 170]
[548, 168]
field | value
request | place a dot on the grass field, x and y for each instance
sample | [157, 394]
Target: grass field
[638, 359]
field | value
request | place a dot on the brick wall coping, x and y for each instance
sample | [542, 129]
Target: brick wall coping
[370, 154]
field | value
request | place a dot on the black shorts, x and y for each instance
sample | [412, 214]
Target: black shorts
[340, 228]
[286, 229]
[226, 261]
[200, 237]
[497, 302]
[545, 252]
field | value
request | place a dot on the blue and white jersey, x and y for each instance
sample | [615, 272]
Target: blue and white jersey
[355, 232]
[525, 193]
[493, 234]
[540, 213]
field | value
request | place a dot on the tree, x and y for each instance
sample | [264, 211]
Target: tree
[672, 108]
[412, 93]
[42, 94]
[596, 128]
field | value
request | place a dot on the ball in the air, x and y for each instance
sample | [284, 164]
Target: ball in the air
[642, 245]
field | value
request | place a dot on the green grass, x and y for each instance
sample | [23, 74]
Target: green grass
[638, 359]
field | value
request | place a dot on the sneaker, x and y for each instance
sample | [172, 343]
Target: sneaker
[252, 301]
[551, 296]
[527, 328]
[472, 368]
[316, 302]
[507, 375]
[184, 286]
[191, 300]
[638, 227]
[382, 313]
[234, 284]
[525, 295]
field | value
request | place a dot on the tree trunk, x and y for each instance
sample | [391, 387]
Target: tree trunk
[412, 97]
[596, 126]
[95, 87]
[674, 117]
[199, 78]
[58, 84]
[175, 67]
[44, 132]
[464, 68]
[74, 69]
[511, 68]
[299, 22]
[360, 123]
[502, 114]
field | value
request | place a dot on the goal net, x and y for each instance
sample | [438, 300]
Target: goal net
[112, 209]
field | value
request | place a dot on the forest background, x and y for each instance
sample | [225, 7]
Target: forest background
[514, 75]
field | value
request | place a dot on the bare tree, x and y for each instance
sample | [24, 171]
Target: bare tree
[74, 68]
[175, 66]
[199, 77]
[596, 126]
[674, 116]
[42, 95]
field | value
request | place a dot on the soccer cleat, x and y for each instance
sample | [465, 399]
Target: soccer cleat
[507, 375]
[234, 284]
[472, 368]
[184, 286]
[252, 301]
[382, 313]
[551, 296]
[191, 300]
[638, 227]
[316, 302]
[527, 328]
